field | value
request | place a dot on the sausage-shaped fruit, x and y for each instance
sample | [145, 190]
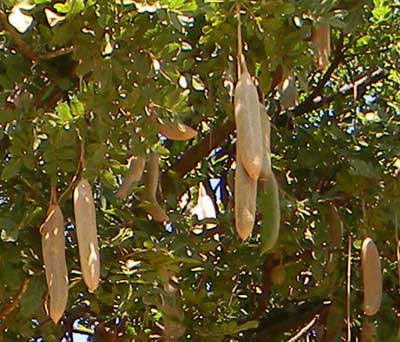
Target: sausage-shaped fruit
[288, 91]
[53, 252]
[151, 205]
[245, 193]
[372, 277]
[134, 174]
[86, 231]
[368, 332]
[271, 213]
[248, 124]
[321, 41]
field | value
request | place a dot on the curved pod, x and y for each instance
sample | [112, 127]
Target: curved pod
[151, 205]
[53, 252]
[372, 277]
[134, 174]
[177, 131]
[86, 231]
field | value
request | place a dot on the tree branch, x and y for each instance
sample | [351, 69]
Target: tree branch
[24, 48]
[201, 150]
[360, 84]
[10, 307]
[219, 134]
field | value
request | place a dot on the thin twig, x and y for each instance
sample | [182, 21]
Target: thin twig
[240, 42]
[75, 178]
[348, 303]
[303, 330]
[10, 307]
[396, 227]
[57, 53]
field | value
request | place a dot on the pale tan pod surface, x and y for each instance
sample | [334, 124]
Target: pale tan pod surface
[372, 277]
[248, 124]
[321, 40]
[177, 131]
[86, 231]
[151, 205]
[288, 91]
[134, 174]
[266, 140]
[53, 252]
[245, 193]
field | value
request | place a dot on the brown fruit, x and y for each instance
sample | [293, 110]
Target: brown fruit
[278, 275]
[86, 231]
[372, 277]
[171, 307]
[321, 41]
[151, 205]
[266, 169]
[177, 131]
[53, 251]
[245, 201]
[368, 332]
[335, 226]
[335, 233]
[288, 91]
[248, 124]
[134, 174]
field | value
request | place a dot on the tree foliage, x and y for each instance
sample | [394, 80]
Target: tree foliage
[104, 75]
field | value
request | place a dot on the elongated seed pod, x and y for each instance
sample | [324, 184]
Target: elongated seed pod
[53, 252]
[335, 226]
[266, 169]
[271, 213]
[245, 193]
[177, 131]
[151, 204]
[368, 332]
[321, 41]
[86, 231]
[335, 234]
[278, 275]
[134, 174]
[171, 308]
[288, 91]
[372, 277]
[248, 124]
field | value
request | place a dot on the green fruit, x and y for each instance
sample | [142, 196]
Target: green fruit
[271, 214]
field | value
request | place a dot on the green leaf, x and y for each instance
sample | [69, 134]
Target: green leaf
[12, 169]
[64, 111]
[77, 107]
